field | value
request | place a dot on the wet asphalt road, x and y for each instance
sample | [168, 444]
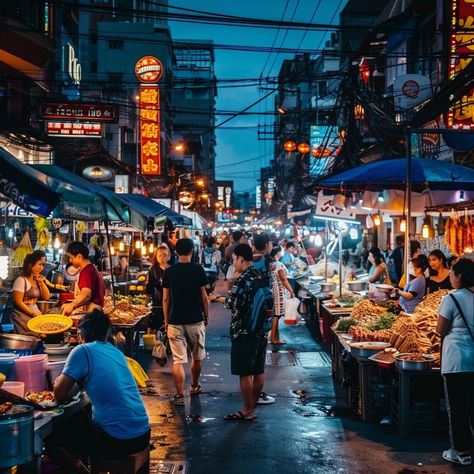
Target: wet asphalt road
[309, 433]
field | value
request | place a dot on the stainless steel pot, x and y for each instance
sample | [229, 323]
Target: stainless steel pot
[16, 433]
[327, 286]
[19, 341]
[45, 306]
[414, 366]
[363, 350]
[357, 285]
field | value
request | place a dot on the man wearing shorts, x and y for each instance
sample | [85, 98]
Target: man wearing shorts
[248, 350]
[186, 313]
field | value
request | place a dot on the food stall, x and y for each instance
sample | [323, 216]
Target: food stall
[401, 351]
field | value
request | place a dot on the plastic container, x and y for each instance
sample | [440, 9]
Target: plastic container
[53, 371]
[15, 387]
[149, 341]
[32, 371]
[16, 433]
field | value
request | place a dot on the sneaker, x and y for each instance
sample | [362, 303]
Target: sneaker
[177, 400]
[265, 399]
[452, 455]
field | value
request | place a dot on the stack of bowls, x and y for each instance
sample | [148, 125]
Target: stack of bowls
[7, 364]
[54, 370]
[32, 371]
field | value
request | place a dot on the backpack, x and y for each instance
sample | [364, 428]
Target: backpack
[260, 315]
[263, 268]
[208, 259]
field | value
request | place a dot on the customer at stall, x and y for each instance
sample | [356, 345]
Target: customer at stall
[28, 288]
[288, 258]
[121, 271]
[120, 423]
[456, 328]
[414, 290]
[439, 272]
[281, 290]
[186, 313]
[89, 290]
[154, 287]
[378, 272]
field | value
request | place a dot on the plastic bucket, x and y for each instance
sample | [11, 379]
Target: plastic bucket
[17, 388]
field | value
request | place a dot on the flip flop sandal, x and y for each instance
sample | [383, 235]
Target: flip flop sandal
[239, 416]
[453, 456]
[195, 389]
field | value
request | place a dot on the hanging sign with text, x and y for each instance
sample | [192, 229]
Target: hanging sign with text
[82, 112]
[150, 156]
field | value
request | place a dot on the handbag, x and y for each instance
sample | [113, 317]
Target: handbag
[159, 350]
[458, 306]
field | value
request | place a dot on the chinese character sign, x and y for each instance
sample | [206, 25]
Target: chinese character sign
[461, 54]
[150, 153]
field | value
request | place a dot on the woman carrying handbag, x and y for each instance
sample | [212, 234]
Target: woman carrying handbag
[456, 328]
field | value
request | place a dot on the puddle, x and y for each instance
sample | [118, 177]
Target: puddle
[197, 419]
[322, 411]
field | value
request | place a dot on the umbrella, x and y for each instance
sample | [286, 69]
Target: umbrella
[391, 174]
[36, 192]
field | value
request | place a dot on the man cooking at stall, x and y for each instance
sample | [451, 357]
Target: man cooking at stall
[89, 290]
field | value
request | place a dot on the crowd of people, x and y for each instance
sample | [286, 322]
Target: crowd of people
[181, 284]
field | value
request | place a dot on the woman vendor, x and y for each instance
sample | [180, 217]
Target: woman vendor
[439, 272]
[414, 290]
[378, 272]
[28, 288]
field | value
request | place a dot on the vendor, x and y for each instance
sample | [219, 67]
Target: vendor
[121, 271]
[378, 272]
[89, 290]
[439, 272]
[414, 291]
[288, 258]
[120, 424]
[28, 288]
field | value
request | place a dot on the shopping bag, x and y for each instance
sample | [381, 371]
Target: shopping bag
[159, 350]
[291, 311]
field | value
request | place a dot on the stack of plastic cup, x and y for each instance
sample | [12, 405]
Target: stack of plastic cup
[17, 388]
[32, 371]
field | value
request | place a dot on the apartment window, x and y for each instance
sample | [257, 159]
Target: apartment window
[115, 44]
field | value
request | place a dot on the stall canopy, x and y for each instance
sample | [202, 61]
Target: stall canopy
[117, 210]
[152, 209]
[386, 174]
[43, 195]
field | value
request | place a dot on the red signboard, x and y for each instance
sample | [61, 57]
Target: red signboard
[79, 111]
[150, 153]
[71, 129]
[149, 69]
[462, 52]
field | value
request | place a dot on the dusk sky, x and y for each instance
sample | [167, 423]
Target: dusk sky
[239, 144]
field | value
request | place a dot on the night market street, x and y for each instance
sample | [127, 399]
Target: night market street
[314, 434]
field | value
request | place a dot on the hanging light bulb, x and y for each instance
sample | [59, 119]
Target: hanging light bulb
[381, 197]
[403, 224]
[121, 246]
[143, 250]
[112, 250]
[425, 231]
[57, 243]
[138, 244]
[318, 241]
[354, 234]
[377, 220]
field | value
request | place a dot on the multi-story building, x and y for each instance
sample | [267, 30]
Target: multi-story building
[194, 95]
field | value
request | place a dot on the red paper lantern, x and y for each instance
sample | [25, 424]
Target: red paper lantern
[289, 146]
[303, 148]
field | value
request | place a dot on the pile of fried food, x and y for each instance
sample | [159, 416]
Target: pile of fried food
[414, 334]
[126, 310]
[40, 397]
[48, 326]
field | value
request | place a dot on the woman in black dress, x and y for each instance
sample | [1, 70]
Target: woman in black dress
[439, 272]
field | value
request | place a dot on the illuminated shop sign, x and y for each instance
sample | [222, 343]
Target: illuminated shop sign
[79, 111]
[462, 50]
[70, 129]
[225, 193]
[73, 68]
[325, 146]
[149, 71]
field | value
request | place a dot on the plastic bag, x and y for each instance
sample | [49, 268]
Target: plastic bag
[291, 311]
[159, 351]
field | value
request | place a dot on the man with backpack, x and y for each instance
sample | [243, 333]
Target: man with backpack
[210, 258]
[250, 301]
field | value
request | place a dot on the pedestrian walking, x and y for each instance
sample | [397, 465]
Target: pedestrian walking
[248, 350]
[282, 291]
[210, 259]
[186, 313]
